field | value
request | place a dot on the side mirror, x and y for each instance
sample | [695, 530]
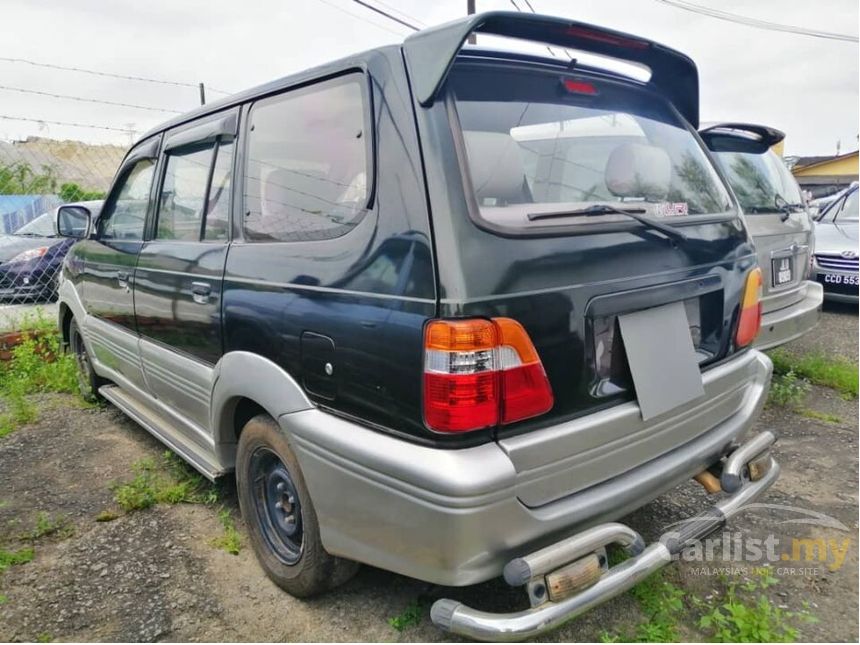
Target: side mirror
[73, 221]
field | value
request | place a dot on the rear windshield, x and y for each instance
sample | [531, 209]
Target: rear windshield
[762, 182]
[540, 142]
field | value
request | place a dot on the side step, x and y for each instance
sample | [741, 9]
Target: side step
[164, 429]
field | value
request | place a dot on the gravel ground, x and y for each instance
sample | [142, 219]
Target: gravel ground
[155, 575]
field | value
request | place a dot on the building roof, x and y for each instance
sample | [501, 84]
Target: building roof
[808, 162]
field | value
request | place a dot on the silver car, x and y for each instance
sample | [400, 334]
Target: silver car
[779, 222]
[835, 265]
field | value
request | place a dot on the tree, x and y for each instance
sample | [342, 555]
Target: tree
[71, 192]
[20, 179]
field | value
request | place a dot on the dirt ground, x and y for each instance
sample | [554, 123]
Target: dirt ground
[154, 575]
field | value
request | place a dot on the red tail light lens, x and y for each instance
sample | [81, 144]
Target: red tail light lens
[579, 87]
[750, 318]
[479, 373]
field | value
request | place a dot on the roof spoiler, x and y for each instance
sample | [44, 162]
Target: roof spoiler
[430, 53]
[764, 135]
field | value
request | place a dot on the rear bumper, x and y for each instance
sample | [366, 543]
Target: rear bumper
[455, 517]
[783, 325]
[533, 570]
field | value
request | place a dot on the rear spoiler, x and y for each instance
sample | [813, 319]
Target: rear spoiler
[764, 135]
[430, 53]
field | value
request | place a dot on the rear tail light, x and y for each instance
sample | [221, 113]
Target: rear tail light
[750, 318]
[480, 373]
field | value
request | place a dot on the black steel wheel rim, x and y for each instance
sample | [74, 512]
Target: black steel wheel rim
[276, 505]
[83, 362]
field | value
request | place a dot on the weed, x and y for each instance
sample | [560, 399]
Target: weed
[3, 599]
[736, 619]
[818, 416]
[837, 373]
[38, 364]
[170, 482]
[107, 515]
[11, 558]
[46, 525]
[411, 617]
[44, 637]
[661, 602]
[787, 390]
[231, 541]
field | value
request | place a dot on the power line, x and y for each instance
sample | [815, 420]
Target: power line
[754, 22]
[381, 12]
[86, 100]
[67, 123]
[548, 48]
[107, 74]
[402, 13]
[363, 19]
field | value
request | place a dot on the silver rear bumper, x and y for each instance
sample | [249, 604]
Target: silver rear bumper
[457, 618]
[455, 517]
[788, 323]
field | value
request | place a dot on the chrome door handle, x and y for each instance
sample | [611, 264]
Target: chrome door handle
[200, 292]
[122, 279]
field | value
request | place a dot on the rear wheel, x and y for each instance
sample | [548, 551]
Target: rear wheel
[88, 381]
[281, 520]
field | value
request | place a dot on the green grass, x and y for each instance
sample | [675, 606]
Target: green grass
[745, 615]
[410, 617]
[231, 540]
[168, 481]
[38, 365]
[47, 526]
[837, 373]
[662, 604]
[44, 637]
[742, 613]
[107, 515]
[787, 390]
[11, 558]
[809, 413]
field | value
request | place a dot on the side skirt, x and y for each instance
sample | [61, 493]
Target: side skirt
[162, 428]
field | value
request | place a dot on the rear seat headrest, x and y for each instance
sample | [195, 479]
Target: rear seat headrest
[638, 170]
[496, 166]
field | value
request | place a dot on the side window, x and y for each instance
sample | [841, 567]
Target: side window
[308, 171]
[126, 218]
[182, 202]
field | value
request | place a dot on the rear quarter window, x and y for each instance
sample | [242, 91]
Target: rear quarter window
[308, 174]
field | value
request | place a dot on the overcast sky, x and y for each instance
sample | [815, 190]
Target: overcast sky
[806, 86]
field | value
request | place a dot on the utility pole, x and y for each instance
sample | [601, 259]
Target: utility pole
[470, 9]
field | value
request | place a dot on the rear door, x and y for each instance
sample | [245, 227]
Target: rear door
[109, 262]
[180, 270]
[773, 209]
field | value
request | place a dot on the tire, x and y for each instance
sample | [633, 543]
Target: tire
[88, 381]
[285, 538]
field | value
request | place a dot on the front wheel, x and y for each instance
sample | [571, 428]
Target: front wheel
[88, 381]
[281, 520]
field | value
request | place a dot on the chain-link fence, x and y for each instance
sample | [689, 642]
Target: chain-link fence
[36, 176]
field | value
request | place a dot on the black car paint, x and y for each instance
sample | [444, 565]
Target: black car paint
[291, 302]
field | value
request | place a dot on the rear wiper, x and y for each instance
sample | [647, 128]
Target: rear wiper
[606, 209]
[785, 208]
